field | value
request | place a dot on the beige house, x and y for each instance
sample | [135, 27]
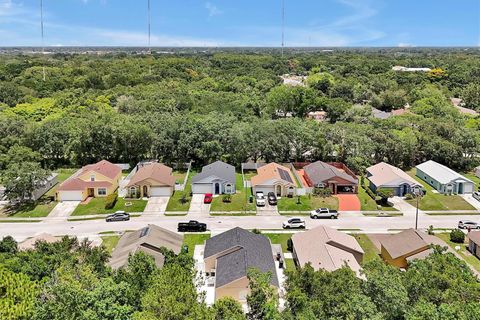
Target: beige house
[29, 243]
[151, 179]
[94, 180]
[474, 243]
[148, 240]
[274, 178]
[328, 249]
[229, 255]
[401, 248]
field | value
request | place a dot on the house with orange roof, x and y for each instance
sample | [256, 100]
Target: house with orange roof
[151, 179]
[94, 180]
[274, 178]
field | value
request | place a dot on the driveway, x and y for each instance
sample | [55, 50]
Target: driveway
[267, 210]
[470, 199]
[197, 206]
[403, 206]
[63, 210]
[156, 205]
[348, 202]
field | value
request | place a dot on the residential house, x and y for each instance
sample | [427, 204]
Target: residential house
[384, 175]
[458, 103]
[318, 116]
[293, 80]
[407, 69]
[151, 179]
[94, 180]
[444, 179]
[336, 176]
[275, 178]
[401, 248]
[474, 243]
[215, 178]
[41, 189]
[326, 248]
[148, 240]
[229, 255]
[477, 171]
[30, 243]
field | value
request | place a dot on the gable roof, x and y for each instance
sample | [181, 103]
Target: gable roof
[440, 172]
[149, 240]
[384, 174]
[217, 169]
[238, 250]
[320, 172]
[30, 242]
[326, 248]
[405, 243]
[103, 167]
[155, 171]
[273, 171]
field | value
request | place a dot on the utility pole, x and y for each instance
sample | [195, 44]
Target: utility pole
[149, 33]
[43, 45]
[283, 25]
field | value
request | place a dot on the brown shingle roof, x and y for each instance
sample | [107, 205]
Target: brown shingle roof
[405, 243]
[154, 171]
[269, 172]
[385, 174]
[474, 236]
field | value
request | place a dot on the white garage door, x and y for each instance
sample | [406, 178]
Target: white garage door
[70, 196]
[202, 188]
[264, 189]
[160, 191]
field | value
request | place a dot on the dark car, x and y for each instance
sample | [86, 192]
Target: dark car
[192, 226]
[208, 198]
[118, 216]
[272, 198]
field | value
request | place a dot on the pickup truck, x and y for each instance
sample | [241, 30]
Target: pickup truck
[323, 213]
[192, 226]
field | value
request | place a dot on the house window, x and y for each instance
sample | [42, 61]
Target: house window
[228, 188]
[92, 177]
[102, 191]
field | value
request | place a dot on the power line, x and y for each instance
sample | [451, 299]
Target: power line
[43, 45]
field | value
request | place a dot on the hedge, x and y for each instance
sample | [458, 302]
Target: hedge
[110, 200]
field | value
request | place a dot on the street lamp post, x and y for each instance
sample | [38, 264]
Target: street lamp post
[418, 193]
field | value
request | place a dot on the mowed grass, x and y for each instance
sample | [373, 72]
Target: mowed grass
[239, 200]
[368, 204]
[97, 206]
[436, 201]
[463, 252]
[306, 203]
[110, 242]
[279, 238]
[371, 252]
[175, 203]
[179, 176]
[474, 178]
[191, 240]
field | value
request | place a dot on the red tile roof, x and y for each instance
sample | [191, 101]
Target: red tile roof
[103, 167]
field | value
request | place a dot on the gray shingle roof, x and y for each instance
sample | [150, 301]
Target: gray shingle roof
[218, 169]
[247, 250]
[440, 172]
[320, 172]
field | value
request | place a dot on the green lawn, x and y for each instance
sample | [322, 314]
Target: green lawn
[474, 178]
[279, 238]
[290, 264]
[30, 210]
[436, 201]
[179, 175]
[191, 240]
[307, 203]
[97, 206]
[110, 242]
[239, 201]
[175, 203]
[249, 174]
[466, 255]
[371, 252]
[368, 204]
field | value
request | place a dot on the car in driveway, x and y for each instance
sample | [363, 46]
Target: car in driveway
[118, 216]
[260, 199]
[294, 223]
[476, 195]
[323, 213]
[272, 199]
[192, 226]
[208, 198]
[467, 224]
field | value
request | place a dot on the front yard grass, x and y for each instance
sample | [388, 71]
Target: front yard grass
[307, 203]
[436, 201]
[179, 175]
[463, 252]
[279, 238]
[97, 206]
[238, 201]
[371, 252]
[191, 240]
[368, 204]
[175, 203]
[110, 242]
[36, 209]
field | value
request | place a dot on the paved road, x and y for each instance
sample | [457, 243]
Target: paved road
[217, 224]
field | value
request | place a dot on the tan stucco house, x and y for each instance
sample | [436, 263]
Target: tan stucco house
[94, 180]
[401, 248]
[274, 178]
[151, 179]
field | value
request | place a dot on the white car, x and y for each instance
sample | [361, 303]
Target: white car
[294, 223]
[260, 199]
[467, 224]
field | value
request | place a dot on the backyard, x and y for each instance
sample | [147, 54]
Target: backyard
[179, 175]
[282, 238]
[474, 178]
[306, 203]
[97, 206]
[175, 203]
[466, 255]
[436, 201]
[371, 252]
[238, 201]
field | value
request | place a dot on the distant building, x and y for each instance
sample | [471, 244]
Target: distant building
[406, 69]
[293, 80]
[458, 103]
[318, 116]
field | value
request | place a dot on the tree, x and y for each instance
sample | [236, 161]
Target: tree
[21, 179]
[263, 299]
[322, 81]
[471, 96]
[457, 236]
[17, 295]
[8, 245]
[228, 309]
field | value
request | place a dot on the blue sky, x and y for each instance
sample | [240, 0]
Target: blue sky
[243, 22]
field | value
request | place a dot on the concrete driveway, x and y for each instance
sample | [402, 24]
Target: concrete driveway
[197, 206]
[63, 210]
[267, 210]
[470, 199]
[156, 205]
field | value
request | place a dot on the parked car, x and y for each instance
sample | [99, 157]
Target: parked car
[260, 199]
[191, 226]
[272, 199]
[323, 213]
[294, 223]
[118, 216]
[476, 195]
[208, 198]
[467, 224]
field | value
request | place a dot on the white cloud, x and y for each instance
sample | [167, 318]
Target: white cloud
[212, 9]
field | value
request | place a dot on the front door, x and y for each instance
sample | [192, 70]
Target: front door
[145, 191]
[279, 190]
[91, 192]
[460, 188]
[217, 188]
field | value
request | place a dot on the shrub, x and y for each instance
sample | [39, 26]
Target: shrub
[290, 245]
[408, 196]
[110, 200]
[430, 230]
[183, 199]
[457, 236]
[227, 198]
[256, 231]
[370, 193]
